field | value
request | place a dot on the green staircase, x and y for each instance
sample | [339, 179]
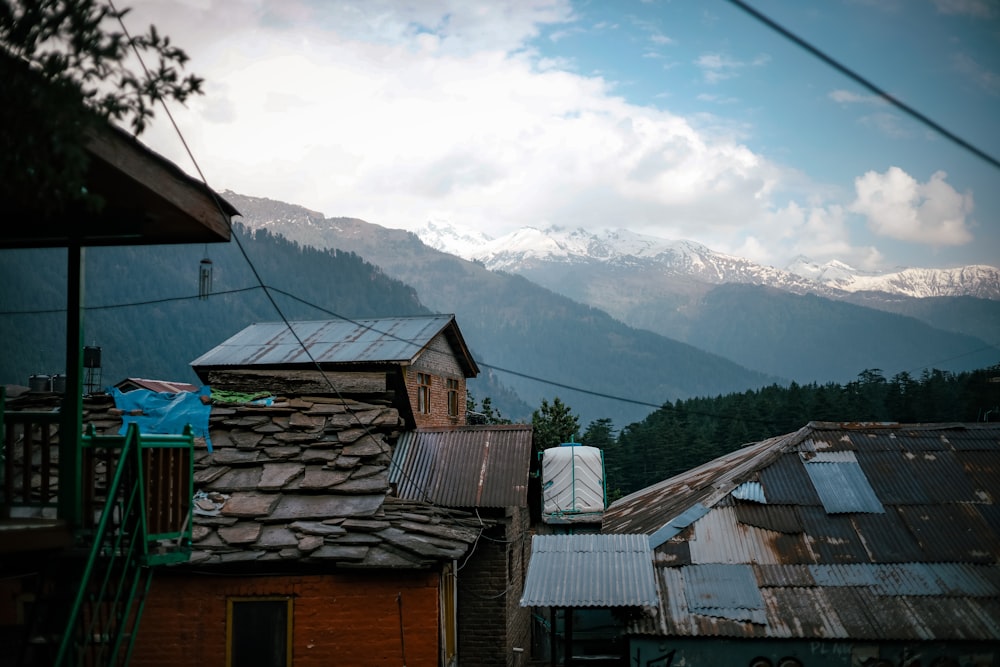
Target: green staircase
[144, 521]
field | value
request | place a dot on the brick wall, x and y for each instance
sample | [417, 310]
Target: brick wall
[491, 620]
[337, 619]
[438, 415]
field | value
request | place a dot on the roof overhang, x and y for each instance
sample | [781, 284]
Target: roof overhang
[148, 201]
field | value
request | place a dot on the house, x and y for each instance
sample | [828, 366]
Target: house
[298, 550]
[483, 470]
[60, 510]
[841, 544]
[422, 361]
[325, 527]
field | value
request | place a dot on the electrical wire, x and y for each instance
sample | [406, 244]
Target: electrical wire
[862, 81]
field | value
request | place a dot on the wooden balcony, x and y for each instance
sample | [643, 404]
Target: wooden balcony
[29, 506]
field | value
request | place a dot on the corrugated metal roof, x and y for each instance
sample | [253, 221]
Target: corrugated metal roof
[466, 466]
[926, 568]
[842, 486]
[387, 339]
[590, 571]
[727, 591]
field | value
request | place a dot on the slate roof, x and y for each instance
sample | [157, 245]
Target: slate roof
[398, 340]
[464, 466]
[836, 531]
[305, 480]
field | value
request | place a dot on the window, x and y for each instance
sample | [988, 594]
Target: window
[452, 398]
[259, 632]
[423, 393]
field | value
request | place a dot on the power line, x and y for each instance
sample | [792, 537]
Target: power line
[857, 78]
[500, 369]
[130, 304]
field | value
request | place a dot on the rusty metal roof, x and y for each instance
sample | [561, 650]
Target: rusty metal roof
[397, 340]
[590, 571]
[857, 531]
[464, 466]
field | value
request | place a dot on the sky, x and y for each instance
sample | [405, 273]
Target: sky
[682, 119]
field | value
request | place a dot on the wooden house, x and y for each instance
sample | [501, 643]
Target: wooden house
[85, 519]
[422, 362]
[839, 545]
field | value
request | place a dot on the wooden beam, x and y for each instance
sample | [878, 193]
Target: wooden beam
[288, 381]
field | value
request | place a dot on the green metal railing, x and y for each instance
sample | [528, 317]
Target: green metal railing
[144, 522]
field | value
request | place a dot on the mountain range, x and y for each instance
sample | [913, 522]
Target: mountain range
[778, 323]
[615, 326]
[529, 248]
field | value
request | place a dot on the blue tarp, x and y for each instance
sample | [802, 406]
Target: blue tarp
[165, 413]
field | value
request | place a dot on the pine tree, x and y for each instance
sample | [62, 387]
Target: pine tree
[554, 423]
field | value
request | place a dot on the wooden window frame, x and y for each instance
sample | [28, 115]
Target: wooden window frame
[452, 397]
[424, 393]
[232, 601]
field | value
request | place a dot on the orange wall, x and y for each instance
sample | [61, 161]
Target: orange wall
[350, 619]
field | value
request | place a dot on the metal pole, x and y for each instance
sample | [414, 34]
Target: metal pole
[70, 421]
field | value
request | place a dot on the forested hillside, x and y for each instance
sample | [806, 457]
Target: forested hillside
[690, 432]
[554, 345]
[143, 310]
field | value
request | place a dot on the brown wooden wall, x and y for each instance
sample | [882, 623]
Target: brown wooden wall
[338, 619]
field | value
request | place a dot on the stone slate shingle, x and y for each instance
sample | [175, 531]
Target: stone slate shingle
[306, 479]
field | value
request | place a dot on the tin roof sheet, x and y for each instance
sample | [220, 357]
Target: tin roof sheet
[926, 568]
[342, 341]
[468, 466]
[842, 487]
[590, 571]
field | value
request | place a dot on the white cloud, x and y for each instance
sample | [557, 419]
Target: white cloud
[398, 119]
[982, 9]
[716, 67]
[980, 76]
[899, 207]
[395, 130]
[889, 124]
[847, 97]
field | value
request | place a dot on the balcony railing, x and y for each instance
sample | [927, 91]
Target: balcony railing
[30, 488]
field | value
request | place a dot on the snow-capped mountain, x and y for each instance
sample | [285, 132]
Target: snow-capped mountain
[530, 248]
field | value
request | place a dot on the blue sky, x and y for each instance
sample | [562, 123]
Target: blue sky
[685, 119]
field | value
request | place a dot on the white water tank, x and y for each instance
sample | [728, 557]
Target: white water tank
[573, 484]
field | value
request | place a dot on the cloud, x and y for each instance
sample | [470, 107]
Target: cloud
[716, 67]
[847, 97]
[888, 124]
[982, 9]
[897, 206]
[983, 78]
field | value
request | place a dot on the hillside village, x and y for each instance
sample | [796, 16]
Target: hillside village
[326, 493]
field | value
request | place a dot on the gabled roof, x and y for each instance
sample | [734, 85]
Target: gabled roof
[395, 340]
[849, 531]
[464, 466]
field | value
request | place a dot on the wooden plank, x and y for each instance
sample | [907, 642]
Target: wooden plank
[160, 178]
[301, 382]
